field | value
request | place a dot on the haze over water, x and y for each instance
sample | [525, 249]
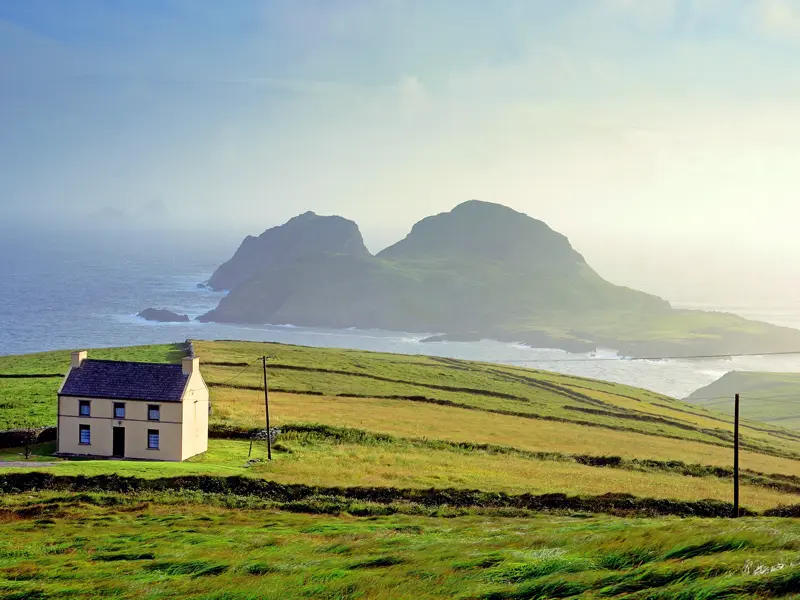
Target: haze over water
[69, 291]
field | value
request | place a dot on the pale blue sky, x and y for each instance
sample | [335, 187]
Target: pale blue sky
[609, 119]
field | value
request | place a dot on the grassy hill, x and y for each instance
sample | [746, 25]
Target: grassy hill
[768, 397]
[401, 475]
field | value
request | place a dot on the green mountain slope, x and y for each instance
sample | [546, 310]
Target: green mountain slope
[480, 270]
[766, 397]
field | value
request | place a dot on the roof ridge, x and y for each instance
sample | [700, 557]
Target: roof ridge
[131, 362]
[117, 379]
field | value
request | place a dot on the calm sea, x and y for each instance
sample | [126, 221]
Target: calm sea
[71, 291]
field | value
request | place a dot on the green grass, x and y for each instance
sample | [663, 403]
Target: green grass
[27, 402]
[397, 426]
[767, 397]
[335, 372]
[58, 361]
[350, 458]
[192, 546]
[549, 411]
[479, 386]
[39, 453]
[31, 401]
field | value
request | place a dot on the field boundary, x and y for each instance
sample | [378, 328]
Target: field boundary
[327, 433]
[299, 495]
[433, 386]
[510, 413]
[31, 375]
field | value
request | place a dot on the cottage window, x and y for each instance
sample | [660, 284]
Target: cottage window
[85, 408]
[152, 439]
[153, 412]
[85, 435]
[119, 410]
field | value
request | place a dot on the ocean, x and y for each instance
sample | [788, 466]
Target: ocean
[77, 291]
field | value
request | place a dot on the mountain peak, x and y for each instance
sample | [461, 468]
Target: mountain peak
[482, 205]
[304, 236]
[476, 229]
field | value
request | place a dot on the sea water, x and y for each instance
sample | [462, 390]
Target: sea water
[72, 291]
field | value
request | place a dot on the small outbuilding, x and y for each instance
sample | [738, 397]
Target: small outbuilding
[109, 408]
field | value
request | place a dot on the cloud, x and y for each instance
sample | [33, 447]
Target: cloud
[413, 111]
[645, 12]
[412, 93]
[780, 19]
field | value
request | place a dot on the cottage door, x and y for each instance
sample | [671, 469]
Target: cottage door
[119, 442]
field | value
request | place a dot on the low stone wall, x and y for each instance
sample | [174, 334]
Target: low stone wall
[14, 438]
[301, 495]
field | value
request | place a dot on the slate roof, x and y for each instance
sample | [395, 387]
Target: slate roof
[126, 381]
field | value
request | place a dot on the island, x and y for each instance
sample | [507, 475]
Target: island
[481, 270]
[162, 316]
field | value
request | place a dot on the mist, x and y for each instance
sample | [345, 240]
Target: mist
[662, 137]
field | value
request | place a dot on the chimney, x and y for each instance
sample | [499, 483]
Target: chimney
[190, 365]
[78, 358]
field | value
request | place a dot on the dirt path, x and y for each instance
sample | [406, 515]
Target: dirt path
[24, 463]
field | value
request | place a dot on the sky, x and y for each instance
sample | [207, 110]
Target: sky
[661, 136]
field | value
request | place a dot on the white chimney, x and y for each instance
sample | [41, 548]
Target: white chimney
[190, 365]
[77, 359]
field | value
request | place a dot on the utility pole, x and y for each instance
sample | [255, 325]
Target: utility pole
[266, 406]
[736, 458]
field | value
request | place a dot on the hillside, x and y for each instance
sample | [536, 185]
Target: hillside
[469, 424]
[767, 397]
[398, 476]
[481, 270]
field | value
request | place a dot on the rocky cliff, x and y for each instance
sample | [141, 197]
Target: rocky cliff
[306, 236]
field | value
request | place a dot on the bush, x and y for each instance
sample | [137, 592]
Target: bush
[15, 438]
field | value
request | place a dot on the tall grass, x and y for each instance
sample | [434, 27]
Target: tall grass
[87, 546]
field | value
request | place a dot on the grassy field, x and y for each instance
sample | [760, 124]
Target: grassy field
[489, 388]
[768, 397]
[485, 387]
[314, 460]
[431, 398]
[139, 546]
[413, 419]
[29, 382]
[355, 420]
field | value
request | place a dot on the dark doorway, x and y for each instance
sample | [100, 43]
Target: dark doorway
[119, 441]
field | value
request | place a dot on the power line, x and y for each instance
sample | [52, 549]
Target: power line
[227, 381]
[789, 398]
[632, 358]
[615, 358]
[707, 401]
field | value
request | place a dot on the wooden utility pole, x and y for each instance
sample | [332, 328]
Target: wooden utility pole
[266, 406]
[736, 458]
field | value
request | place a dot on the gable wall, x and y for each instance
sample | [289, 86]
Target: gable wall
[195, 417]
[136, 424]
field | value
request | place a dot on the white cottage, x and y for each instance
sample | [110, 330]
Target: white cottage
[111, 408]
